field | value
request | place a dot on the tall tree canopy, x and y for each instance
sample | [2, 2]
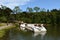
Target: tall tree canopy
[36, 9]
[29, 9]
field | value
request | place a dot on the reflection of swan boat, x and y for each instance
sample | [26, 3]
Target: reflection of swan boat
[39, 33]
[32, 27]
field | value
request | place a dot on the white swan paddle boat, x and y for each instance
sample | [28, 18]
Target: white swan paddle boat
[39, 28]
[32, 27]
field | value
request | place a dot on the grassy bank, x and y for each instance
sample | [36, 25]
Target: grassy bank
[3, 31]
[2, 24]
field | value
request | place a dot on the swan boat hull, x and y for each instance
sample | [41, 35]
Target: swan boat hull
[31, 27]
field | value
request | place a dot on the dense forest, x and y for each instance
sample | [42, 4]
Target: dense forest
[31, 15]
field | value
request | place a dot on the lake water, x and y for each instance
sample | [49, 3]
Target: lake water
[53, 33]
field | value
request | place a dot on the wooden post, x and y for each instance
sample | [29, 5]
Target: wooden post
[19, 24]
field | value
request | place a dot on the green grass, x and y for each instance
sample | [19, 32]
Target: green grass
[2, 24]
[2, 33]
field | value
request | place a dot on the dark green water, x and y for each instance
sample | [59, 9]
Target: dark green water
[53, 33]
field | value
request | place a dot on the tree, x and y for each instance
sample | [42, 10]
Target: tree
[17, 10]
[36, 9]
[54, 10]
[43, 9]
[3, 7]
[3, 19]
[47, 10]
[0, 11]
[8, 12]
[5, 13]
[5, 10]
[29, 9]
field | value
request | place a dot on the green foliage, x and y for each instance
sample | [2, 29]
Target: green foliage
[29, 9]
[3, 19]
[36, 9]
[40, 16]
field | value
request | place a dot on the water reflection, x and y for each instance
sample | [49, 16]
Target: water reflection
[39, 33]
[42, 34]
